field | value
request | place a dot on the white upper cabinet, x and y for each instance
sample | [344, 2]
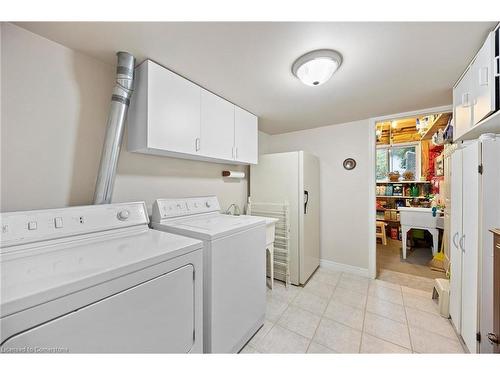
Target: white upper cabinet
[171, 116]
[245, 136]
[167, 112]
[483, 80]
[462, 105]
[217, 126]
[475, 95]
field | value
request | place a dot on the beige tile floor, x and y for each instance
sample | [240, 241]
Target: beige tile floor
[342, 313]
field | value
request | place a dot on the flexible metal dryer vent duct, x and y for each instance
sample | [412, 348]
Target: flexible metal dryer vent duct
[114, 130]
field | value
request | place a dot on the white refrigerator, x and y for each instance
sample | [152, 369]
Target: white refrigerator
[292, 177]
[475, 209]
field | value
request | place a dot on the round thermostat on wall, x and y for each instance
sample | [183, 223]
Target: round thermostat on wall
[349, 164]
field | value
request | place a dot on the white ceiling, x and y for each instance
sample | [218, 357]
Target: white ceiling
[387, 67]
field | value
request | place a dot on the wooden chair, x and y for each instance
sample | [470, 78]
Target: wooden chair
[380, 232]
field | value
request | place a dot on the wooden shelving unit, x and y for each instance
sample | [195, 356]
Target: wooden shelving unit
[439, 122]
[403, 182]
[400, 196]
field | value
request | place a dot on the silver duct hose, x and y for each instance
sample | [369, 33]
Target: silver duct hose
[120, 101]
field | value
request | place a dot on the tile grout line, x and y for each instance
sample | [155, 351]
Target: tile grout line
[429, 331]
[323, 314]
[289, 303]
[386, 317]
[407, 322]
[364, 318]
[329, 300]
[276, 322]
[382, 339]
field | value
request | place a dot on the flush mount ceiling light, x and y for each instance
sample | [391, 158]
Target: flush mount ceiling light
[316, 67]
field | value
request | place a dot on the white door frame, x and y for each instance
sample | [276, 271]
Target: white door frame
[372, 147]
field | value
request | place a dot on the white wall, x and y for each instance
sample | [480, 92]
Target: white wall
[54, 107]
[343, 194]
[147, 177]
[264, 140]
[55, 104]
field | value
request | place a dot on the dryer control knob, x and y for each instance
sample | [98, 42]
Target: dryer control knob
[123, 215]
[207, 203]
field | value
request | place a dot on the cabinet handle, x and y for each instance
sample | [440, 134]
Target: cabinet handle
[497, 66]
[483, 76]
[465, 99]
[236, 157]
[455, 239]
[461, 243]
[498, 246]
[197, 144]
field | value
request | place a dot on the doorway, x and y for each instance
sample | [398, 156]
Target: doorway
[408, 178]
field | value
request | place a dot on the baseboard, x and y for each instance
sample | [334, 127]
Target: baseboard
[343, 267]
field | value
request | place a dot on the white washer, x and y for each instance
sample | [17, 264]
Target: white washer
[234, 266]
[97, 279]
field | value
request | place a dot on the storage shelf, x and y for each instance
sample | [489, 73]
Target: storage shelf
[490, 124]
[440, 122]
[400, 196]
[389, 221]
[403, 182]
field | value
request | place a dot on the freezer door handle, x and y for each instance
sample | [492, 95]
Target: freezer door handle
[306, 200]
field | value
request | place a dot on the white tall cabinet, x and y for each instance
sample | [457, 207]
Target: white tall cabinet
[475, 209]
[455, 232]
[468, 244]
[464, 252]
[172, 116]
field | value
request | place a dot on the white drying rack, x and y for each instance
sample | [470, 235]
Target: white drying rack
[280, 211]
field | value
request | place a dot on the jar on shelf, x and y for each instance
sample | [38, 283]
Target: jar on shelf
[394, 176]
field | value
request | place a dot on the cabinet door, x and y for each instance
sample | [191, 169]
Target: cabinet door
[462, 105]
[173, 111]
[455, 234]
[489, 218]
[483, 80]
[469, 244]
[217, 126]
[245, 136]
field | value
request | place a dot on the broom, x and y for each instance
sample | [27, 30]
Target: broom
[436, 263]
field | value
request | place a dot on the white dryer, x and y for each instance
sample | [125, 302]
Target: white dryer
[97, 279]
[234, 267]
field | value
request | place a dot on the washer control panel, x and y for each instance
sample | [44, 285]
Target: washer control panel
[30, 226]
[169, 208]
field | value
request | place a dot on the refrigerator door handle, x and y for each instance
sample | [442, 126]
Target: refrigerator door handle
[306, 199]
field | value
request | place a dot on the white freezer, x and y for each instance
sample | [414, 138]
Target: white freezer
[293, 177]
